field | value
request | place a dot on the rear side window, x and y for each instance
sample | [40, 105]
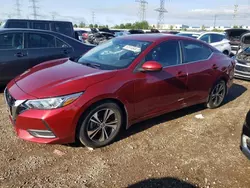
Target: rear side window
[166, 53]
[41, 25]
[17, 24]
[194, 51]
[64, 28]
[205, 38]
[11, 41]
[61, 44]
[38, 40]
[217, 38]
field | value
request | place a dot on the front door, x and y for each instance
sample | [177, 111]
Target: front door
[159, 92]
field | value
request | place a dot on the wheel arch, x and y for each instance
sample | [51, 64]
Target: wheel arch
[101, 101]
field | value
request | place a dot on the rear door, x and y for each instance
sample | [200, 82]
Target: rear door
[42, 47]
[202, 71]
[13, 57]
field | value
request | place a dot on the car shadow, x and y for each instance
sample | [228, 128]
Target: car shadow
[2, 89]
[234, 92]
[162, 183]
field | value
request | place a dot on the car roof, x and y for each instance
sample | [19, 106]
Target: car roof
[152, 37]
[33, 30]
[36, 20]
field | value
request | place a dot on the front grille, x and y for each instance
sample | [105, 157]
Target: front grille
[243, 69]
[9, 99]
[16, 107]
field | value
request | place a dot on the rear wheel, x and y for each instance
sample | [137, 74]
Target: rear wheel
[217, 95]
[101, 125]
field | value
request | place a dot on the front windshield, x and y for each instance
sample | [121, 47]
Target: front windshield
[115, 54]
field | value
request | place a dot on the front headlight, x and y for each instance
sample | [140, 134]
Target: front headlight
[52, 103]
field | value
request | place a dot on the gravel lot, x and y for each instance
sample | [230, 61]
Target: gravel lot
[174, 150]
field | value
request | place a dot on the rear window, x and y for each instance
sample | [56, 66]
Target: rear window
[17, 24]
[38, 40]
[64, 28]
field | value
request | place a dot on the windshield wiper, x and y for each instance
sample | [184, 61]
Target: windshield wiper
[93, 65]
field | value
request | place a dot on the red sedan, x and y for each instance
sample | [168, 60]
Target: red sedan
[117, 84]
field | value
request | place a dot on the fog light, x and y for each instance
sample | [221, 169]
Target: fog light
[42, 133]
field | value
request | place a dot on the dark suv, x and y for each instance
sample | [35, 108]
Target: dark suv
[63, 27]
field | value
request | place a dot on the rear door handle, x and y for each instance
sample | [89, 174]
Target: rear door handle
[181, 74]
[20, 54]
[65, 51]
[215, 67]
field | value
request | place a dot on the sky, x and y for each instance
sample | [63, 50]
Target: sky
[111, 12]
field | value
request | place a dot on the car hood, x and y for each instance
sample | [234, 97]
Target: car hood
[60, 77]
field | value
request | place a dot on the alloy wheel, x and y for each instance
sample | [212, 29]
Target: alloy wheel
[218, 94]
[102, 125]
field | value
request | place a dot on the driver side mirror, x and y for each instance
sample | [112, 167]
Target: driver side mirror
[151, 66]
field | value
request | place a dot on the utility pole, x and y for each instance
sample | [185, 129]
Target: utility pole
[235, 14]
[142, 9]
[93, 17]
[18, 10]
[161, 11]
[215, 19]
[34, 7]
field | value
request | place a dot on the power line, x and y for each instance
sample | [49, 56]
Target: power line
[18, 9]
[161, 11]
[35, 8]
[142, 9]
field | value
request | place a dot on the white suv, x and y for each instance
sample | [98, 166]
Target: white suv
[217, 40]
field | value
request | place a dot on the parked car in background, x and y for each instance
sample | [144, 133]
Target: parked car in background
[245, 137]
[63, 27]
[122, 33]
[81, 34]
[234, 35]
[99, 37]
[217, 40]
[21, 49]
[242, 69]
[170, 32]
[135, 31]
[124, 81]
[189, 34]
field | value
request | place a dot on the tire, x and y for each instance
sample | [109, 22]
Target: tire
[225, 52]
[93, 131]
[217, 95]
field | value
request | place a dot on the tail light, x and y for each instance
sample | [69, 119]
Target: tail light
[85, 35]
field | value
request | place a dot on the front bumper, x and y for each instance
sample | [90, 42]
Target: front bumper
[42, 126]
[242, 71]
[245, 141]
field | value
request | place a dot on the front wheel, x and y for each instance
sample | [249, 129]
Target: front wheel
[101, 125]
[217, 95]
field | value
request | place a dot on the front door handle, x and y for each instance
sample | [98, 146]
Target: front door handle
[181, 74]
[20, 54]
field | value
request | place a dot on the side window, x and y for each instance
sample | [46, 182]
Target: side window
[61, 44]
[11, 41]
[64, 28]
[38, 40]
[166, 53]
[205, 38]
[17, 24]
[195, 51]
[41, 25]
[216, 38]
